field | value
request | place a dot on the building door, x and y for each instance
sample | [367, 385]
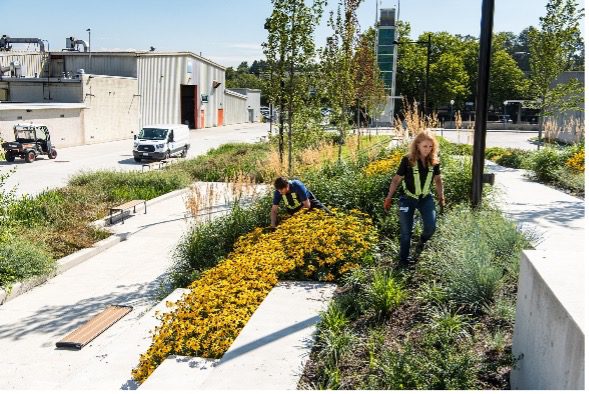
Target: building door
[250, 112]
[220, 117]
[189, 105]
[202, 118]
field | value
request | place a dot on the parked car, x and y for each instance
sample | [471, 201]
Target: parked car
[30, 141]
[161, 142]
[505, 119]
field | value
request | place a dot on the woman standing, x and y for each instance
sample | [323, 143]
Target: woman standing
[416, 172]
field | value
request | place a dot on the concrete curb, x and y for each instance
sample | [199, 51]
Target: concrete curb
[80, 256]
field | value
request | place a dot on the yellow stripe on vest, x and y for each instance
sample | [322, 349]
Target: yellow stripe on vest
[417, 182]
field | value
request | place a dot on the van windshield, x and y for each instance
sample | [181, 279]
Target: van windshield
[153, 134]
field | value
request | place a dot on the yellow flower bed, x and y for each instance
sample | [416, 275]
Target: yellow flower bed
[577, 161]
[310, 244]
[385, 166]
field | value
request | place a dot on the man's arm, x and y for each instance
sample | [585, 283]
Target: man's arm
[273, 215]
[392, 189]
[307, 204]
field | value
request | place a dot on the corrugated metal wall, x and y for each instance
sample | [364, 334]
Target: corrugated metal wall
[31, 62]
[235, 108]
[160, 78]
[100, 64]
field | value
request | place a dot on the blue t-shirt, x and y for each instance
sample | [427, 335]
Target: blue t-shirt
[298, 188]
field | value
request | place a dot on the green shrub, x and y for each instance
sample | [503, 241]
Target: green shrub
[208, 243]
[545, 163]
[123, 186]
[383, 293]
[227, 162]
[22, 259]
[472, 255]
[431, 361]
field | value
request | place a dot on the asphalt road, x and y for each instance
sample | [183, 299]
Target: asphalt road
[33, 178]
[500, 138]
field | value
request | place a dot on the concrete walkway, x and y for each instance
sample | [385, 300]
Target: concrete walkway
[128, 273]
[557, 218]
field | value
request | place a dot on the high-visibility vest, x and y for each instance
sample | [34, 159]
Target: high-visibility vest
[295, 200]
[417, 182]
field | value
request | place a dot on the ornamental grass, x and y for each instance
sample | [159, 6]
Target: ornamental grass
[310, 245]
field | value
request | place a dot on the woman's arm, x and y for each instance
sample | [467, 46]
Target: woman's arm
[440, 189]
[392, 189]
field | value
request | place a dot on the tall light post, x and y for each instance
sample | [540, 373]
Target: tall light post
[505, 114]
[482, 103]
[89, 50]
[452, 113]
[427, 65]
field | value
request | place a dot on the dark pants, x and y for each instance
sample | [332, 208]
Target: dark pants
[407, 207]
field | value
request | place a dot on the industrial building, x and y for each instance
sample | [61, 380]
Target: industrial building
[115, 93]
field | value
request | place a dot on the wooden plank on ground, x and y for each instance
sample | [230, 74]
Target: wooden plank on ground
[82, 335]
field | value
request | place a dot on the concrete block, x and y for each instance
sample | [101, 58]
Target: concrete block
[549, 338]
[179, 373]
[273, 347]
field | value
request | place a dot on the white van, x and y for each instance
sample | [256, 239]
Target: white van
[161, 141]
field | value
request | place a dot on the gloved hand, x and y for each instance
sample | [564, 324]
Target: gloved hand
[387, 203]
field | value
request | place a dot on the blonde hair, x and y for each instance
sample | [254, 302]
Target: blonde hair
[432, 158]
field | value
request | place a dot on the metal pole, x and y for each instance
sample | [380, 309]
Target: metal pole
[478, 153]
[429, 52]
[89, 50]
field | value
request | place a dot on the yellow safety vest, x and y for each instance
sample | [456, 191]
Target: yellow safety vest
[295, 200]
[417, 182]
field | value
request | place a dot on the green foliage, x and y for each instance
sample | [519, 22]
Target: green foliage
[433, 361]
[21, 259]
[545, 164]
[289, 51]
[383, 294]
[553, 49]
[474, 255]
[123, 186]
[208, 243]
[227, 162]
[508, 157]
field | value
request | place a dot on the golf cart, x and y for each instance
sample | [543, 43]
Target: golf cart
[29, 142]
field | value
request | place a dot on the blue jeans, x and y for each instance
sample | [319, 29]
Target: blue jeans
[407, 207]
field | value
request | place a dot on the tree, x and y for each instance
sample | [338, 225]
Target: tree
[554, 48]
[289, 52]
[338, 66]
[368, 86]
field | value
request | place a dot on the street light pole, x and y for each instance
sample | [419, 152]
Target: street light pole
[89, 50]
[452, 113]
[427, 65]
[478, 152]
[425, 93]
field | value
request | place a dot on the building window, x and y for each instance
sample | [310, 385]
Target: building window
[19, 118]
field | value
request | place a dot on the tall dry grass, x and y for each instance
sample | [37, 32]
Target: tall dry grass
[415, 121]
[552, 128]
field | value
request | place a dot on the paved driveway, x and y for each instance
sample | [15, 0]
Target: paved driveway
[32, 178]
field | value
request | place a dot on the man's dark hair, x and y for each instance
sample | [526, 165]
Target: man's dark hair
[280, 183]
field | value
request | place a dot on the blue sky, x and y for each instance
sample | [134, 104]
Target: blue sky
[226, 31]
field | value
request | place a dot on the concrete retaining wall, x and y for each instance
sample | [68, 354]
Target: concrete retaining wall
[549, 338]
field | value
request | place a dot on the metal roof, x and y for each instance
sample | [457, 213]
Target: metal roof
[138, 54]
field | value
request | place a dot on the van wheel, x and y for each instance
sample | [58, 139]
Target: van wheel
[167, 155]
[9, 157]
[184, 152]
[30, 157]
[52, 154]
